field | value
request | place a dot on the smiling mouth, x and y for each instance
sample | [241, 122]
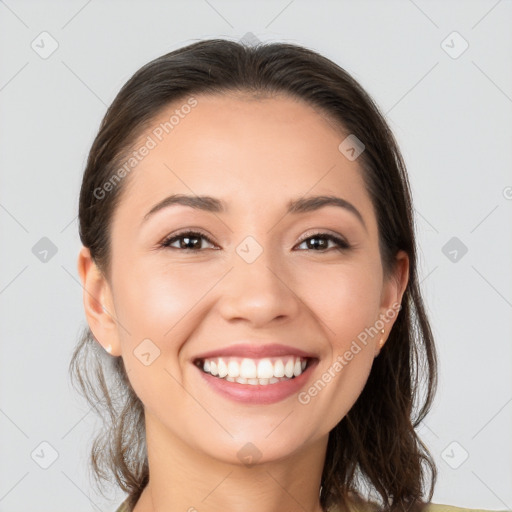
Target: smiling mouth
[263, 371]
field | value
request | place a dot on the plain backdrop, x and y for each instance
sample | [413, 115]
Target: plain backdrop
[441, 73]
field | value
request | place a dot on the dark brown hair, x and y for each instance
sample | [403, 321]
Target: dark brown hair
[374, 452]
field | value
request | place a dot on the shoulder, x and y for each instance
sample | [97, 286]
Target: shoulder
[430, 507]
[123, 507]
[438, 507]
[362, 506]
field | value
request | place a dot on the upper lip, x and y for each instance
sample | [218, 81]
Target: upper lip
[252, 350]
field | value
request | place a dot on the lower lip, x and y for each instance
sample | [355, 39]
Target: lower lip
[258, 394]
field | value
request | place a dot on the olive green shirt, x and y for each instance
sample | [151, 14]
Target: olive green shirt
[432, 507]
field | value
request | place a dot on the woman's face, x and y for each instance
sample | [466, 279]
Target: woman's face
[261, 292]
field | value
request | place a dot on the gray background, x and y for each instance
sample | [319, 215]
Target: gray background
[451, 113]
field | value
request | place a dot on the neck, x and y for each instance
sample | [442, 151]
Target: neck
[185, 479]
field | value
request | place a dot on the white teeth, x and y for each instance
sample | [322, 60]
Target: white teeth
[256, 382]
[248, 369]
[233, 369]
[255, 371]
[265, 369]
[279, 368]
[288, 369]
[223, 369]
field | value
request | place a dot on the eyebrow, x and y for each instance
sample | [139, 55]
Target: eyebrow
[296, 206]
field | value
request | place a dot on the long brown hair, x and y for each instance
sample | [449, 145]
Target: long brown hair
[375, 446]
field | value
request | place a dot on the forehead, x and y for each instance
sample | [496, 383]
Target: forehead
[243, 150]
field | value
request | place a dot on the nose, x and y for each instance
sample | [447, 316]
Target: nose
[259, 293]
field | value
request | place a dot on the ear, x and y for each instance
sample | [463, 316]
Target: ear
[392, 292]
[98, 303]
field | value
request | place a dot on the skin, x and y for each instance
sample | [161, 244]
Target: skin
[256, 155]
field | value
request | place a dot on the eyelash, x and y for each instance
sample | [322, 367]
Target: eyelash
[340, 242]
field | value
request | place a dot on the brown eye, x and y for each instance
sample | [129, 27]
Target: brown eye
[322, 240]
[189, 241]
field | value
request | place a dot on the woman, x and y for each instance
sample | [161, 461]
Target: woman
[250, 275]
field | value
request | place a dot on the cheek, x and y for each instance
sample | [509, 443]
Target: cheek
[152, 300]
[349, 381]
[156, 305]
[159, 300]
[345, 297]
